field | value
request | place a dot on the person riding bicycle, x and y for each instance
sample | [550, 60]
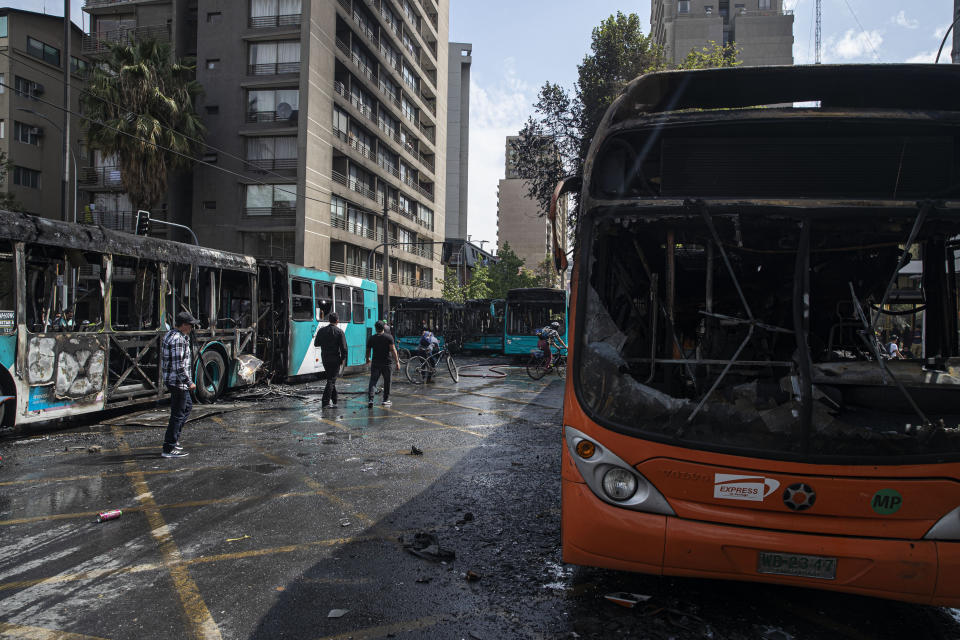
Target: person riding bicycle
[549, 337]
[428, 348]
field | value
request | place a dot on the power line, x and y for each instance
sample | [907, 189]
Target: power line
[864, 31]
[205, 144]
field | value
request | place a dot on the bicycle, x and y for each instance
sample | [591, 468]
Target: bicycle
[419, 369]
[537, 366]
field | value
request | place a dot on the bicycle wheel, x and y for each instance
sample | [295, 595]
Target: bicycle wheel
[561, 367]
[537, 367]
[452, 368]
[416, 369]
[404, 355]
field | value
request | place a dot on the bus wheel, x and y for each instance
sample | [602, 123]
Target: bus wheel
[211, 375]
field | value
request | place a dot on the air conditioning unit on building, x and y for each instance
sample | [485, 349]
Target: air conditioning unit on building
[36, 132]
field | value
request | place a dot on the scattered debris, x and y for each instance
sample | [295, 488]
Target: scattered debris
[344, 522]
[628, 600]
[472, 576]
[243, 537]
[423, 580]
[414, 451]
[772, 633]
[113, 514]
[94, 448]
[337, 613]
[475, 635]
[427, 546]
[247, 366]
[467, 517]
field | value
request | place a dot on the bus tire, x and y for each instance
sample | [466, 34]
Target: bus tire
[8, 409]
[211, 375]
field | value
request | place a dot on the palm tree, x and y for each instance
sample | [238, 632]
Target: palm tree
[140, 103]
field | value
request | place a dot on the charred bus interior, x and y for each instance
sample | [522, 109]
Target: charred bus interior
[746, 270]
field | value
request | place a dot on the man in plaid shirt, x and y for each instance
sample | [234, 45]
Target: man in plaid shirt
[175, 360]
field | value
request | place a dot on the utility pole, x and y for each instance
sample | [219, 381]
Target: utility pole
[818, 28]
[386, 257]
[65, 186]
[955, 55]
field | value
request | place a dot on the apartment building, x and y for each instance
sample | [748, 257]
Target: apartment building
[460, 57]
[761, 29]
[32, 59]
[325, 116]
[521, 221]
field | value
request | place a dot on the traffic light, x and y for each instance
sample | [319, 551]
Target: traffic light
[143, 223]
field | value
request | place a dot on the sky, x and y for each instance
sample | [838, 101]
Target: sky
[520, 44]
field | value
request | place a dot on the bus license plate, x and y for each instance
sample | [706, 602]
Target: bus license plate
[791, 564]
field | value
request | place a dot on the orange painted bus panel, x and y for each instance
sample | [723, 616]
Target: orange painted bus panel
[948, 575]
[889, 568]
[598, 534]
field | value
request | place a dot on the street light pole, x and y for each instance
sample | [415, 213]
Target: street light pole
[76, 168]
[67, 151]
[386, 258]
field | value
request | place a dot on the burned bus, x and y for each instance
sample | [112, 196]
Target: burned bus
[528, 311]
[483, 326]
[412, 316]
[734, 409]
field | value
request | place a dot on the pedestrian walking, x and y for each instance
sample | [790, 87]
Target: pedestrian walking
[382, 347]
[333, 354]
[175, 360]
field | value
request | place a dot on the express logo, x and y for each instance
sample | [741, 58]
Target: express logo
[799, 497]
[736, 487]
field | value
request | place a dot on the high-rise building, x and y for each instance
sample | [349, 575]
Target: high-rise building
[761, 29]
[521, 221]
[31, 127]
[460, 57]
[328, 114]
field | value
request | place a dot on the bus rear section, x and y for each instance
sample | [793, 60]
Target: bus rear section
[483, 326]
[413, 316]
[735, 407]
[529, 310]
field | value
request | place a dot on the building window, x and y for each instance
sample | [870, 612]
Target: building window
[708, 9]
[209, 204]
[740, 8]
[269, 58]
[3, 26]
[23, 87]
[683, 6]
[26, 133]
[213, 63]
[212, 109]
[274, 13]
[3, 129]
[43, 51]
[214, 17]
[269, 153]
[765, 4]
[3, 83]
[26, 177]
[271, 199]
[79, 67]
[272, 105]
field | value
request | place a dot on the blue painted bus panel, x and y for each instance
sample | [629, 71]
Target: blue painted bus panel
[529, 310]
[8, 350]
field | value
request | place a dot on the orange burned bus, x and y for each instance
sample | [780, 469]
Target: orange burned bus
[749, 242]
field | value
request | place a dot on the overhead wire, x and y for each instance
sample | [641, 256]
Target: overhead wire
[864, 31]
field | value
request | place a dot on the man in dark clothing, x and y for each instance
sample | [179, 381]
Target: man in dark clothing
[333, 354]
[175, 361]
[382, 346]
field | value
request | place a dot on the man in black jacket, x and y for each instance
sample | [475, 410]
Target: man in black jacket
[333, 353]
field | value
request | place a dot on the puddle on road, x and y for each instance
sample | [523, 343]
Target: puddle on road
[265, 469]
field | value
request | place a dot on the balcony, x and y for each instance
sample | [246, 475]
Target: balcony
[115, 220]
[355, 185]
[271, 116]
[100, 42]
[264, 165]
[273, 68]
[107, 178]
[279, 212]
[359, 230]
[93, 4]
[267, 22]
[357, 270]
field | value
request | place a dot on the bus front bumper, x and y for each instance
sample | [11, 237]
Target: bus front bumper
[600, 535]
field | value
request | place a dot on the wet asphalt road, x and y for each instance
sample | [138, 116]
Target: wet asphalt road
[284, 512]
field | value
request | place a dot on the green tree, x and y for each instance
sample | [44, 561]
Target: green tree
[7, 201]
[479, 286]
[545, 273]
[452, 291]
[139, 100]
[509, 272]
[554, 141]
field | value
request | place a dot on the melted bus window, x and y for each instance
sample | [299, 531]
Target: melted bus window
[709, 341]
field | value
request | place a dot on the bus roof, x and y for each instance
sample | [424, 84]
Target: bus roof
[854, 86]
[536, 293]
[21, 227]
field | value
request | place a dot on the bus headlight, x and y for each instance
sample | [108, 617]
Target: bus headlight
[619, 484]
[610, 478]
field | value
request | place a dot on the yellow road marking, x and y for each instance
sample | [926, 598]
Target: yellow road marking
[441, 424]
[75, 577]
[385, 630]
[198, 615]
[523, 402]
[9, 630]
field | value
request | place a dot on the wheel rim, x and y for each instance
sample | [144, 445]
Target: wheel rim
[212, 373]
[414, 370]
[452, 367]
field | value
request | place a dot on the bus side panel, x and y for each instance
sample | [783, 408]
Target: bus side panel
[304, 357]
[8, 351]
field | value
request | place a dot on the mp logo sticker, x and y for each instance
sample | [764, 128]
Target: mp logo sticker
[735, 487]
[886, 501]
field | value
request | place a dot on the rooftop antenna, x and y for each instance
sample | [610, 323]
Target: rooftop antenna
[819, 21]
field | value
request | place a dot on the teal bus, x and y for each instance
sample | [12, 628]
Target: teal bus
[412, 315]
[297, 302]
[483, 326]
[528, 310]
